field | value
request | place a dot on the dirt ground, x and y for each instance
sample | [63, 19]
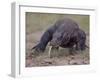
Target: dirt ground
[60, 57]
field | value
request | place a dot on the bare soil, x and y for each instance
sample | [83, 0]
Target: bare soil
[58, 58]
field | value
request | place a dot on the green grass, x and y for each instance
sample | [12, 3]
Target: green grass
[41, 21]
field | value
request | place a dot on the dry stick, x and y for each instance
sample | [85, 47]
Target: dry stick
[50, 51]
